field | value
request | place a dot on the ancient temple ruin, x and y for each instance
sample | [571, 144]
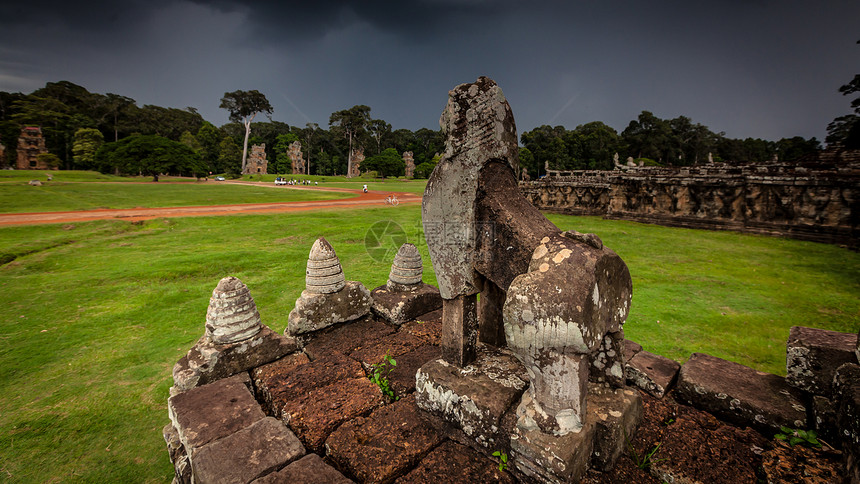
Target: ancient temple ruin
[257, 163]
[533, 375]
[409, 161]
[555, 301]
[31, 144]
[813, 199]
[356, 157]
[296, 158]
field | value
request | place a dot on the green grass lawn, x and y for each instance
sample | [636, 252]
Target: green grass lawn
[63, 196]
[92, 318]
[400, 184]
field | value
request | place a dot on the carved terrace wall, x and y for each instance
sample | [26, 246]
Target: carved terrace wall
[815, 199]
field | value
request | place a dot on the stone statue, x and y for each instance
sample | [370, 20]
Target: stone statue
[556, 300]
[328, 297]
[405, 296]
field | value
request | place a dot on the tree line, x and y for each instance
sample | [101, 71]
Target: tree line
[87, 130]
[650, 140]
[111, 133]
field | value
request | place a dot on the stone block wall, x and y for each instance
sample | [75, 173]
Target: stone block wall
[816, 200]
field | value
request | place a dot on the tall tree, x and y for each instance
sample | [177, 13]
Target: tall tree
[150, 155]
[243, 107]
[229, 160]
[113, 105]
[309, 132]
[209, 137]
[379, 130]
[351, 123]
[87, 142]
[387, 163]
[844, 131]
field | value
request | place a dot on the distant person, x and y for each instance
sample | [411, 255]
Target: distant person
[365, 188]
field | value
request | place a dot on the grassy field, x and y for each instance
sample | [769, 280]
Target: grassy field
[389, 184]
[90, 193]
[92, 318]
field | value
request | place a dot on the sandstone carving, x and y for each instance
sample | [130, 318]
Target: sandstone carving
[328, 297]
[812, 199]
[556, 300]
[297, 159]
[235, 340]
[557, 315]
[257, 163]
[232, 315]
[405, 297]
[407, 269]
[409, 161]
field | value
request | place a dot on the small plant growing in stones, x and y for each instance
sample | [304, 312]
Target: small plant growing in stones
[503, 460]
[798, 436]
[646, 460]
[379, 376]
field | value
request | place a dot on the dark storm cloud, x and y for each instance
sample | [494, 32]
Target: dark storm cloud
[308, 21]
[765, 68]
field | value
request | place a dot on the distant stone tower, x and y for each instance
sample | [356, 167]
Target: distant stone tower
[257, 164]
[298, 162]
[31, 144]
[357, 158]
[410, 164]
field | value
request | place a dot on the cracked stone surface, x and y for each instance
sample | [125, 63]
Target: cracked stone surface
[383, 445]
[740, 394]
[813, 355]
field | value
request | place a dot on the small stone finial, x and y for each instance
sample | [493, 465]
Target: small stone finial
[407, 268]
[232, 315]
[324, 274]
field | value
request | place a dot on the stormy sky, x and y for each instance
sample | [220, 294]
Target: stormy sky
[754, 68]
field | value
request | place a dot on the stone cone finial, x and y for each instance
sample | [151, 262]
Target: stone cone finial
[232, 315]
[407, 268]
[324, 274]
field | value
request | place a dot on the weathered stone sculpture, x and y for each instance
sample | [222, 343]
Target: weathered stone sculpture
[328, 297]
[235, 339]
[409, 161]
[556, 316]
[232, 315]
[405, 296]
[295, 155]
[558, 301]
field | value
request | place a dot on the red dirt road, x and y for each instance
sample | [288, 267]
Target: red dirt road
[372, 198]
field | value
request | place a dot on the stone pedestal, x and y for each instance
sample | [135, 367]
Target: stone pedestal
[474, 398]
[400, 306]
[459, 329]
[481, 400]
[315, 311]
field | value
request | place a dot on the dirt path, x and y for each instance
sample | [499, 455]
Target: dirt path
[370, 199]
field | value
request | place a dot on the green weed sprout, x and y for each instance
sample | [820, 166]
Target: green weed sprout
[503, 460]
[646, 460]
[798, 436]
[379, 376]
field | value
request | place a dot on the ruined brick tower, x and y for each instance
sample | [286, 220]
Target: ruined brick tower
[31, 144]
[257, 163]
